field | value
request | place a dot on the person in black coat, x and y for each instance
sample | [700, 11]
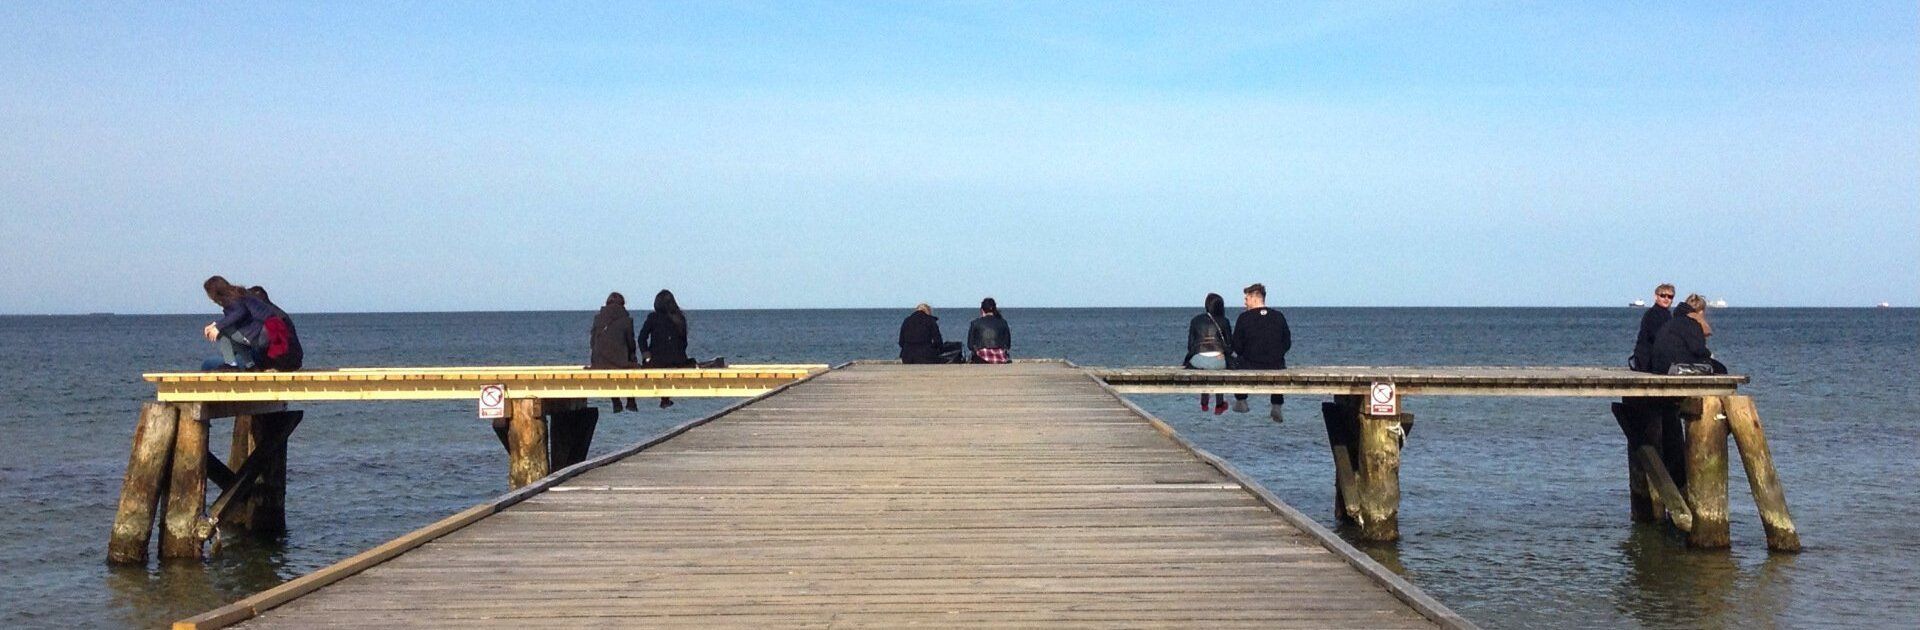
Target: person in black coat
[1261, 340]
[1650, 322]
[920, 340]
[663, 337]
[611, 342]
[1684, 339]
[989, 339]
[292, 356]
[1210, 340]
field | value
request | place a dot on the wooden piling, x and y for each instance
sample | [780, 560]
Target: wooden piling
[1640, 491]
[1771, 499]
[526, 442]
[1381, 438]
[1706, 471]
[187, 486]
[1342, 418]
[140, 491]
[239, 452]
[1672, 501]
[571, 435]
[256, 501]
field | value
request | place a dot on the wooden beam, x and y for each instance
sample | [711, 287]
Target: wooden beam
[1771, 499]
[1342, 418]
[1671, 500]
[571, 435]
[146, 474]
[1706, 471]
[1631, 419]
[187, 487]
[236, 504]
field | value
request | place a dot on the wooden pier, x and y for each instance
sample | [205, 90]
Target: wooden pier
[1026, 495]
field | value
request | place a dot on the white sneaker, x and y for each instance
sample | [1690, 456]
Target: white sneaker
[1274, 412]
[1239, 406]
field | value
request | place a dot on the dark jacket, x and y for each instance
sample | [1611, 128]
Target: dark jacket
[294, 357]
[989, 331]
[1206, 327]
[1680, 340]
[611, 341]
[1650, 324]
[664, 340]
[247, 315]
[920, 339]
[1261, 339]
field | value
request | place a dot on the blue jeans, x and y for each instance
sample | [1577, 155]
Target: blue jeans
[235, 350]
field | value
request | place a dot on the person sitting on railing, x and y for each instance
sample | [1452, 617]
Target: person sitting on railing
[920, 340]
[241, 328]
[663, 337]
[1650, 322]
[1261, 340]
[1210, 346]
[611, 342]
[283, 352]
[1681, 346]
[988, 337]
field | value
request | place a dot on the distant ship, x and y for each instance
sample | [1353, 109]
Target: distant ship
[1637, 303]
[1718, 303]
[1884, 305]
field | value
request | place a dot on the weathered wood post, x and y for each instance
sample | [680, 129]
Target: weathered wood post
[1342, 417]
[1706, 471]
[259, 494]
[140, 491]
[1640, 499]
[526, 442]
[1744, 422]
[187, 486]
[1381, 438]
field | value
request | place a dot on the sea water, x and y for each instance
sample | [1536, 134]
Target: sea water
[1513, 512]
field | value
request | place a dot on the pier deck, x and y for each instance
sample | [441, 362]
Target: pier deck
[1026, 495]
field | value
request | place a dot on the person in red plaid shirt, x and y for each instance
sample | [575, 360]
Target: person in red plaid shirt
[988, 337]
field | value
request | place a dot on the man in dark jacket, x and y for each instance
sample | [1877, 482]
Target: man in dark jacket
[1684, 339]
[283, 352]
[611, 342]
[920, 340]
[1261, 340]
[1650, 323]
[988, 337]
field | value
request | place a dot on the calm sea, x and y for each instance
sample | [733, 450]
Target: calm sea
[1514, 510]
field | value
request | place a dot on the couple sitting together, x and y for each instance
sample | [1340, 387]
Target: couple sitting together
[988, 338]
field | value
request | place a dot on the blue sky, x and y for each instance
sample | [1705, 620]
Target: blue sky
[465, 156]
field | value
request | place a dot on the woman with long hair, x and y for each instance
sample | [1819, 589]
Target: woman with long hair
[241, 328]
[1208, 345]
[610, 342]
[663, 337]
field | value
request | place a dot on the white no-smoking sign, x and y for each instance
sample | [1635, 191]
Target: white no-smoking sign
[1382, 400]
[493, 401]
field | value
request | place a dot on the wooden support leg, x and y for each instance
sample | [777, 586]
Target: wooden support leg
[187, 486]
[1706, 471]
[1380, 440]
[140, 491]
[572, 435]
[1639, 487]
[256, 502]
[526, 442]
[1744, 422]
[1672, 501]
[241, 450]
[1342, 418]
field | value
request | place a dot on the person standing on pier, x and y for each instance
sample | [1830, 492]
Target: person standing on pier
[612, 344]
[988, 337]
[1261, 340]
[1210, 345]
[1650, 323]
[663, 337]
